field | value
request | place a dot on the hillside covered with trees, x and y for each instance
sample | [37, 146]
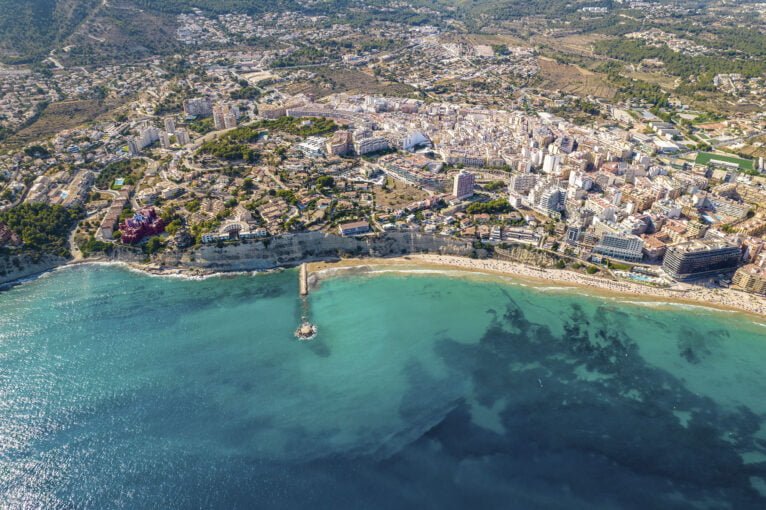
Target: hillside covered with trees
[29, 28]
[43, 228]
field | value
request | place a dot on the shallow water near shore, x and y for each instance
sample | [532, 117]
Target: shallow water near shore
[119, 390]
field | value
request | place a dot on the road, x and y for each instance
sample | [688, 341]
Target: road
[76, 253]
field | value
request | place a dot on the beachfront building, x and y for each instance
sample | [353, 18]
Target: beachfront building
[750, 278]
[699, 258]
[620, 246]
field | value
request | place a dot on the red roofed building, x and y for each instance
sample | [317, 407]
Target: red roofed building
[144, 223]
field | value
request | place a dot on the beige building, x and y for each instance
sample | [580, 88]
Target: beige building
[751, 278]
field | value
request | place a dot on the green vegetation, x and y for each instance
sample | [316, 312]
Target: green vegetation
[30, 27]
[501, 49]
[91, 246]
[499, 206]
[300, 57]
[295, 126]
[628, 88]
[288, 196]
[202, 126]
[130, 170]
[618, 266]
[361, 18]
[731, 41]
[250, 93]
[234, 145]
[704, 158]
[325, 182]
[494, 185]
[37, 151]
[174, 226]
[43, 228]
[230, 150]
[153, 245]
[377, 45]
[701, 67]
[192, 205]
[126, 213]
[173, 102]
[706, 117]
[51, 118]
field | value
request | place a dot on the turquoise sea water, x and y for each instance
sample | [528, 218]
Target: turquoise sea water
[120, 390]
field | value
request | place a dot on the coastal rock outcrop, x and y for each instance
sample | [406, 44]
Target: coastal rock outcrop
[17, 267]
[291, 249]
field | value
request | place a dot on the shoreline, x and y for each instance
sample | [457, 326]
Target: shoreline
[729, 300]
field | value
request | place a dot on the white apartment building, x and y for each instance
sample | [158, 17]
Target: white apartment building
[463, 185]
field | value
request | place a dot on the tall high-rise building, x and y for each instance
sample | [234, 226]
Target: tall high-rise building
[573, 233]
[522, 183]
[463, 185]
[700, 258]
[133, 147]
[551, 200]
[551, 163]
[225, 116]
[147, 135]
[198, 106]
[183, 136]
[164, 140]
[218, 117]
[170, 125]
[230, 119]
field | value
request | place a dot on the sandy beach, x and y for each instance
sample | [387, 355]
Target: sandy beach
[721, 299]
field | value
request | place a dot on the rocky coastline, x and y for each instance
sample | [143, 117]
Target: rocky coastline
[327, 251]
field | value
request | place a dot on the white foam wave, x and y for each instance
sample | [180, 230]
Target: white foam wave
[671, 304]
[171, 273]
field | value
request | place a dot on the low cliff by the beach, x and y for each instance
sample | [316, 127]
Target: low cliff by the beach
[15, 267]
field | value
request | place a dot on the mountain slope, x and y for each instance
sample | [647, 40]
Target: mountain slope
[30, 28]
